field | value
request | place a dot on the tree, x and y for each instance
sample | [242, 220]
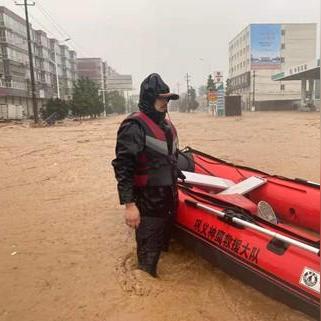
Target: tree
[116, 101]
[132, 104]
[182, 103]
[210, 84]
[86, 100]
[193, 104]
[188, 102]
[228, 87]
[58, 106]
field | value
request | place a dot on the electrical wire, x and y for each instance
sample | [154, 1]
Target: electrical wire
[63, 33]
[38, 22]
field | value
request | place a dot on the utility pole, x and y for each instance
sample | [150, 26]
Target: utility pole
[127, 103]
[57, 74]
[253, 97]
[187, 78]
[103, 84]
[32, 75]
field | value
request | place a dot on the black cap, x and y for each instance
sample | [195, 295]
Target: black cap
[152, 87]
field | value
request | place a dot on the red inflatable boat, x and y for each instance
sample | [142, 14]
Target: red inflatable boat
[261, 228]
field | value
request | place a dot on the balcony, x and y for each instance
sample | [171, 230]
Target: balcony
[13, 84]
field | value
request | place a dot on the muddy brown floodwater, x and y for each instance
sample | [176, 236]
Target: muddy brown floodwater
[65, 252]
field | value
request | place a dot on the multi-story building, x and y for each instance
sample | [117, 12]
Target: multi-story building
[92, 68]
[95, 70]
[106, 78]
[261, 50]
[50, 60]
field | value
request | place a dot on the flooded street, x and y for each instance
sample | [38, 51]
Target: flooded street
[65, 252]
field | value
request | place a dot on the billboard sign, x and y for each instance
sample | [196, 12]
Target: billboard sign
[218, 76]
[119, 82]
[211, 96]
[265, 46]
[220, 103]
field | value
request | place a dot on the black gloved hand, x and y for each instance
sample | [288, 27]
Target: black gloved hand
[180, 175]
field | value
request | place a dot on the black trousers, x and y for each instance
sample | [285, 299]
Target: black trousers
[157, 206]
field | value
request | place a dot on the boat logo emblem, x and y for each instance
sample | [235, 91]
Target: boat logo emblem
[310, 279]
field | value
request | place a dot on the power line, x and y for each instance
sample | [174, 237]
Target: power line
[45, 13]
[59, 28]
[39, 23]
[61, 34]
[50, 33]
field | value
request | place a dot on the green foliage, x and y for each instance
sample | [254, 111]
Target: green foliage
[183, 103]
[189, 102]
[133, 105]
[58, 106]
[193, 104]
[228, 87]
[210, 83]
[116, 102]
[86, 100]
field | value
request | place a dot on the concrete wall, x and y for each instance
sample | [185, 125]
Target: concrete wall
[299, 44]
[267, 89]
[277, 105]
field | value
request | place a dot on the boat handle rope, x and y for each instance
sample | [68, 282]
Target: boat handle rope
[252, 226]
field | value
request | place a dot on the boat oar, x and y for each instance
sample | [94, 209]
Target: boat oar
[229, 217]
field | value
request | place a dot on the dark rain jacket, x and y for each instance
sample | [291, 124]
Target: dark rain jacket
[146, 155]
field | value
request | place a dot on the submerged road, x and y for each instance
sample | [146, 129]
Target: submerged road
[65, 252]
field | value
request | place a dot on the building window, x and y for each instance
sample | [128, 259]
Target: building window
[282, 60]
[283, 46]
[282, 87]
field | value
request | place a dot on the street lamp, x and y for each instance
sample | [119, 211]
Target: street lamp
[56, 67]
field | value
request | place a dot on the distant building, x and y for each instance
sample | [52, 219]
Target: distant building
[261, 50]
[15, 86]
[106, 78]
[92, 68]
[308, 74]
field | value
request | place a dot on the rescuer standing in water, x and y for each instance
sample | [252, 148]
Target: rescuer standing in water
[146, 171]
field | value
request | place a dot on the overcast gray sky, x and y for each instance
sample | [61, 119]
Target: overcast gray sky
[170, 37]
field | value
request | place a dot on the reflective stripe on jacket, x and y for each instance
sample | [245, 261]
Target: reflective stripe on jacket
[156, 164]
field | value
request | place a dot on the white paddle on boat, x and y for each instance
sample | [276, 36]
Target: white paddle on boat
[252, 226]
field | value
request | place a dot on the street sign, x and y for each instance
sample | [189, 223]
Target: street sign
[220, 104]
[119, 82]
[218, 76]
[211, 96]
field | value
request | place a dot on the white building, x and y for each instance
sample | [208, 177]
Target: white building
[261, 50]
[48, 54]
